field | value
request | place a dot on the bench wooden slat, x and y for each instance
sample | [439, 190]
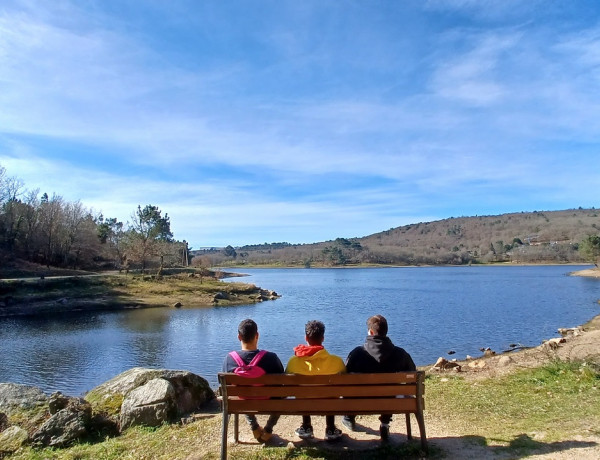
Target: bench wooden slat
[324, 406]
[321, 391]
[336, 379]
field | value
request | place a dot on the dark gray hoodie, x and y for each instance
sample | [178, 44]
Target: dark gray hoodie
[377, 355]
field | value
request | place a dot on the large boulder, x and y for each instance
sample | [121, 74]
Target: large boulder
[14, 397]
[12, 439]
[151, 404]
[190, 391]
[66, 426]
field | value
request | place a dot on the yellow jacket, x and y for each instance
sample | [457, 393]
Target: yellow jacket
[321, 363]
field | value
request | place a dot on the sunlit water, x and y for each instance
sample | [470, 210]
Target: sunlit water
[431, 310]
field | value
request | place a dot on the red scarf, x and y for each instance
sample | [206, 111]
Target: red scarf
[307, 350]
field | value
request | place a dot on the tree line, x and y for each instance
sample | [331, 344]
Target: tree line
[52, 231]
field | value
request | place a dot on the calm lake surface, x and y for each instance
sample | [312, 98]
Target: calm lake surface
[430, 310]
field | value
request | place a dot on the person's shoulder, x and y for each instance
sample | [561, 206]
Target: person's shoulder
[326, 352]
[229, 356]
[357, 351]
[338, 360]
[338, 357]
[400, 350]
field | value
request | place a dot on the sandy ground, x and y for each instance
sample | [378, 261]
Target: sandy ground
[456, 444]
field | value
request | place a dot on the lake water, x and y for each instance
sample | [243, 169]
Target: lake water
[430, 310]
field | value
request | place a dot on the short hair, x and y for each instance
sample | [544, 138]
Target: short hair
[378, 324]
[315, 331]
[247, 330]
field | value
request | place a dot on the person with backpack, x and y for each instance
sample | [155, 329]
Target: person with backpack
[313, 359]
[252, 362]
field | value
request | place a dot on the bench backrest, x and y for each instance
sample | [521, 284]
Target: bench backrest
[401, 392]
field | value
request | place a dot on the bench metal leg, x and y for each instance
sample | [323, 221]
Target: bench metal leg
[224, 437]
[421, 421]
[236, 427]
[408, 427]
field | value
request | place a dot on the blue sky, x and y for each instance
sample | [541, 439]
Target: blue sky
[302, 121]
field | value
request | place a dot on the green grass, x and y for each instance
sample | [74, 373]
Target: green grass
[555, 402]
[517, 414]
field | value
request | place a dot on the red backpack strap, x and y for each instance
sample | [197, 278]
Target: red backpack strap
[237, 358]
[258, 357]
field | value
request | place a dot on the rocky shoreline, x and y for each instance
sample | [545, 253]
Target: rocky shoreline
[574, 344]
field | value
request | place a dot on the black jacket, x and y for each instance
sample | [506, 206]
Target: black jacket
[378, 355]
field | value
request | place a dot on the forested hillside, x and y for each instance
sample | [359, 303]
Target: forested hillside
[526, 237]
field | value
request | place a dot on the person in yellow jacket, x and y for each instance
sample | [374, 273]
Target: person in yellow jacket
[313, 359]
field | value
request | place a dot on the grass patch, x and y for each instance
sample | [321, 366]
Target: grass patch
[109, 405]
[555, 402]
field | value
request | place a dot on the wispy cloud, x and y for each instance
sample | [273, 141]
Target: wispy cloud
[304, 120]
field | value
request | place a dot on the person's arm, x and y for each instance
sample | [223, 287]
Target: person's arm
[405, 361]
[277, 366]
[271, 363]
[410, 364]
[226, 364]
[352, 360]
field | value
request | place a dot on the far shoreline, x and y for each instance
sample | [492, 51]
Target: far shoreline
[498, 264]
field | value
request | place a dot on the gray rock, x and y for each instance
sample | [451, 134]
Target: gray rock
[191, 390]
[11, 439]
[57, 402]
[220, 296]
[126, 381]
[14, 397]
[65, 426]
[151, 404]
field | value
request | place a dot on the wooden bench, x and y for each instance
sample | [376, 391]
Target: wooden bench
[394, 393]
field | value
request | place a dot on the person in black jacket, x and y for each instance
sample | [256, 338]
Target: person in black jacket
[377, 355]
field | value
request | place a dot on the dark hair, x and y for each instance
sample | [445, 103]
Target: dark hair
[378, 324]
[315, 332]
[247, 330]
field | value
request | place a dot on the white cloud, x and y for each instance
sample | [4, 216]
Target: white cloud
[351, 128]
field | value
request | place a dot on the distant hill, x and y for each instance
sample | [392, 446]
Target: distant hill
[525, 237]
